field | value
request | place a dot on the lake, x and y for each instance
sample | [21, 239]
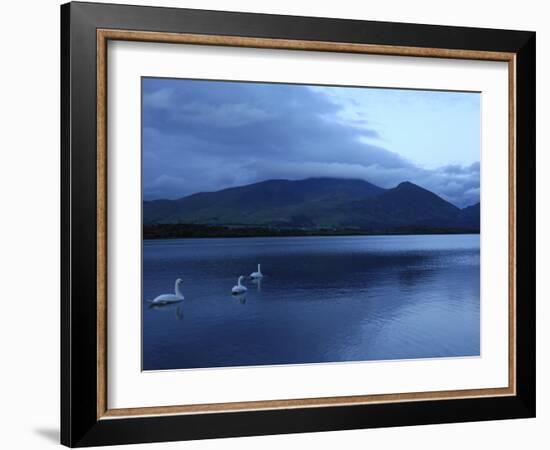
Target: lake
[322, 299]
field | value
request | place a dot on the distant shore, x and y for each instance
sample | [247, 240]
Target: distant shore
[178, 231]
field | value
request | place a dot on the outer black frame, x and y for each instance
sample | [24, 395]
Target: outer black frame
[79, 424]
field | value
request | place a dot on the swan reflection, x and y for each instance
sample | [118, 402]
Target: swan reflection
[258, 283]
[240, 297]
[175, 307]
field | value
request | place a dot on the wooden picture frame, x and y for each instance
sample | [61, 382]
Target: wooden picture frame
[86, 418]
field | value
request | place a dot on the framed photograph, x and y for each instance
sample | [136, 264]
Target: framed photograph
[276, 224]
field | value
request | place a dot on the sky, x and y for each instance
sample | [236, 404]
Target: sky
[201, 135]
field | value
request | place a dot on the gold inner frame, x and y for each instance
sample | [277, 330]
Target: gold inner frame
[103, 36]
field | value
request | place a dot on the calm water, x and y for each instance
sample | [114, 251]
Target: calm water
[322, 299]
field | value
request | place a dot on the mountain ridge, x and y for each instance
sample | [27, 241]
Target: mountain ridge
[314, 203]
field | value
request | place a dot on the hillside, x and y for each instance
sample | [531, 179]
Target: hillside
[314, 204]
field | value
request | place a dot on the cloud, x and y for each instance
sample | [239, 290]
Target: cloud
[230, 115]
[456, 183]
[161, 98]
[205, 136]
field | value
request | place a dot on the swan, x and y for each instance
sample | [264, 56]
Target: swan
[258, 274]
[239, 288]
[170, 298]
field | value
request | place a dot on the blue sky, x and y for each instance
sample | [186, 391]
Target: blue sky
[209, 135]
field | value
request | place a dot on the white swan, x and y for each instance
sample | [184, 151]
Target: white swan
[258, 274]
[239, 288]
[170, 298]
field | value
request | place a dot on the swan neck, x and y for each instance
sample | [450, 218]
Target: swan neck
[178, 290]
[259, 268]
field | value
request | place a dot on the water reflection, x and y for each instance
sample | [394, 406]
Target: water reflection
[258, 283]
[327, 299]
[241, 298]
[170, 307]
[411, 276]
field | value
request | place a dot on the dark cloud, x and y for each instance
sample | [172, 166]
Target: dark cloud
[205, 136]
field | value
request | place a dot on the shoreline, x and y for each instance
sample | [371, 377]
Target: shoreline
[186, 231]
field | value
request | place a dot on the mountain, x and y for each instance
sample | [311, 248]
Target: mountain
[314, 203]
[269, 202]
[406, 205]
[470, 216]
